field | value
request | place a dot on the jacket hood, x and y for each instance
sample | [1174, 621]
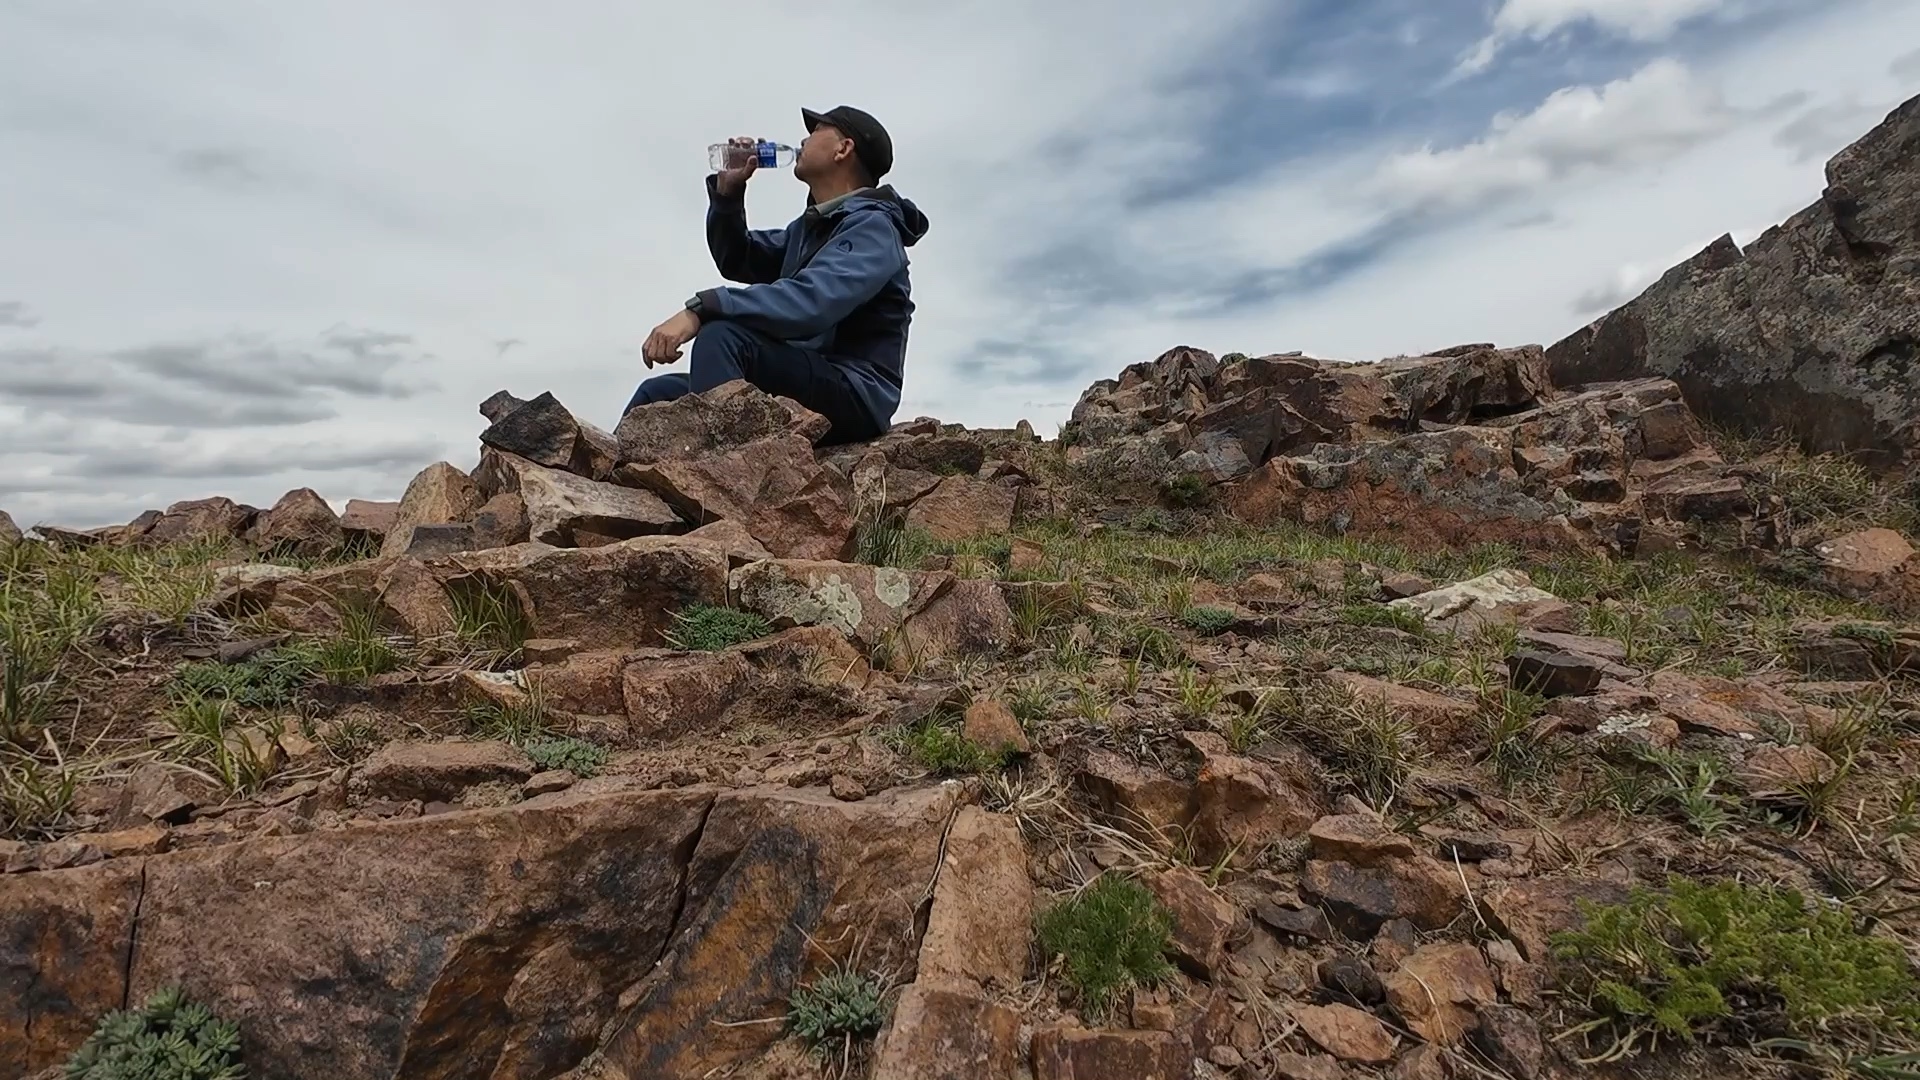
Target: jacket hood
[907, 218]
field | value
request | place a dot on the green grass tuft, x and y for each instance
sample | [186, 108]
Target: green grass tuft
[937, 746]
[1207, 619]
[1110, 937]
[1733, 960]
[489, 614]
[705, 628]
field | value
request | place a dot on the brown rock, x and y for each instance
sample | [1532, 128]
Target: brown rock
[1530, 912]
[733, 538]
[1307, 1067]
[9, 532]
[1423, 1063]
[1443, 720]
[784, 884]
[201, 521]
[1360, 898]
[544, 432]
[563, 509]
[65, 939]
[1553, 674]
[991, 725]
[960, 507]
[546, 783]
[722, 418]
[1399, 584]
[302, 523]
[1879, 565]
[1346, 1032]
[140, 840]
[982, 913]
[157, 793]
[787, 500]
[1777, 772]
[1028, 557]
[429, 771]
[366, 523]
[1141, 800]
[910, 614]
[1202, 920]
[845, 788]
[1309, 923]
[942, 1034]
[441, 494]
[1704, 704]
[439, 540]
[501, 521]
[1360, 839]
[1511, 1041]
[1351, 978]
[1076, 1054]
[622, 595]
[1243, 804]
[1438, 990]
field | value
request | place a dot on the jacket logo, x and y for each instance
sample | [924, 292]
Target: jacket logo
[846, 245]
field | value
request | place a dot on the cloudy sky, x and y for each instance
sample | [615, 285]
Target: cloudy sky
[248, 247]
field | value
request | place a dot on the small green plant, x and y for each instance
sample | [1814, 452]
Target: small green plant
[891, 543]
[271, 680]
[838, 1008]
[1380, 615]
[1186, 491]
[35, 798]
[1734, 960]
[706, 628]
[577, 756]
[938, 747]
[1672, 782]
[355, 654]
[489, 614]
[1515, 746]
[520, 721]
[1207, 619]
[1199, 695]
[1110, 937]
[1152, 645]
[169, 1038]
[206, 735]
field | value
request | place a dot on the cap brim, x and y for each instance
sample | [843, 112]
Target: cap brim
[813, 119]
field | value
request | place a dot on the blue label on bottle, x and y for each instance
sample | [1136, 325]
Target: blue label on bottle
[769, 155]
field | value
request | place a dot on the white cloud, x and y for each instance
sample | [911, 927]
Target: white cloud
[1661, 111]
[1640, 20]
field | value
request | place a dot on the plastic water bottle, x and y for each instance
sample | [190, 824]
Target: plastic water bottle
[772, 155]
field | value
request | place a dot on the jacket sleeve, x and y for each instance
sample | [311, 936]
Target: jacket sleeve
[739, 253]
[857, 261]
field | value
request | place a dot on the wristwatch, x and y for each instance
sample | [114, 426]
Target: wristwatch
[697, 306]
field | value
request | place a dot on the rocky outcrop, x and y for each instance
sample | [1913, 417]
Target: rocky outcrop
[1812, 330]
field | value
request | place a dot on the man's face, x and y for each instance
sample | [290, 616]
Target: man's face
[818, 151]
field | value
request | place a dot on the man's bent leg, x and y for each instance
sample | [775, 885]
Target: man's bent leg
[659, 388]
[725, 351]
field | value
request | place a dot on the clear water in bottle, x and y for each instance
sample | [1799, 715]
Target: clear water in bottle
[772, 155]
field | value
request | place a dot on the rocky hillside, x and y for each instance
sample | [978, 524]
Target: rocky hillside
[1436, 718]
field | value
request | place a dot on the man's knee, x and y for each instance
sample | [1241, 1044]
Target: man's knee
[723, 338]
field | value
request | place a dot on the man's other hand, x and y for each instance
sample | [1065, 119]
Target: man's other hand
[663, 345]
[732, 183]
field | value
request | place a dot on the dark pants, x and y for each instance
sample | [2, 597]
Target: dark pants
[725, 351]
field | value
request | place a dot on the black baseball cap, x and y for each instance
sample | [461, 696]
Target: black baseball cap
[871, 143]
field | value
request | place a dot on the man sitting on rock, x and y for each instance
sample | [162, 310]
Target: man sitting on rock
[822, 315]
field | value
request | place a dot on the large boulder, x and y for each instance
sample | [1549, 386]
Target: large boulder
[439, 495]
[209, 521]
[493, 943]
[783, 885]
[568, 510]
[544, 432]
[1810, 330]
[788, 501]
[906, 614]
[302, 523]
[726, 416]
[366, 523]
